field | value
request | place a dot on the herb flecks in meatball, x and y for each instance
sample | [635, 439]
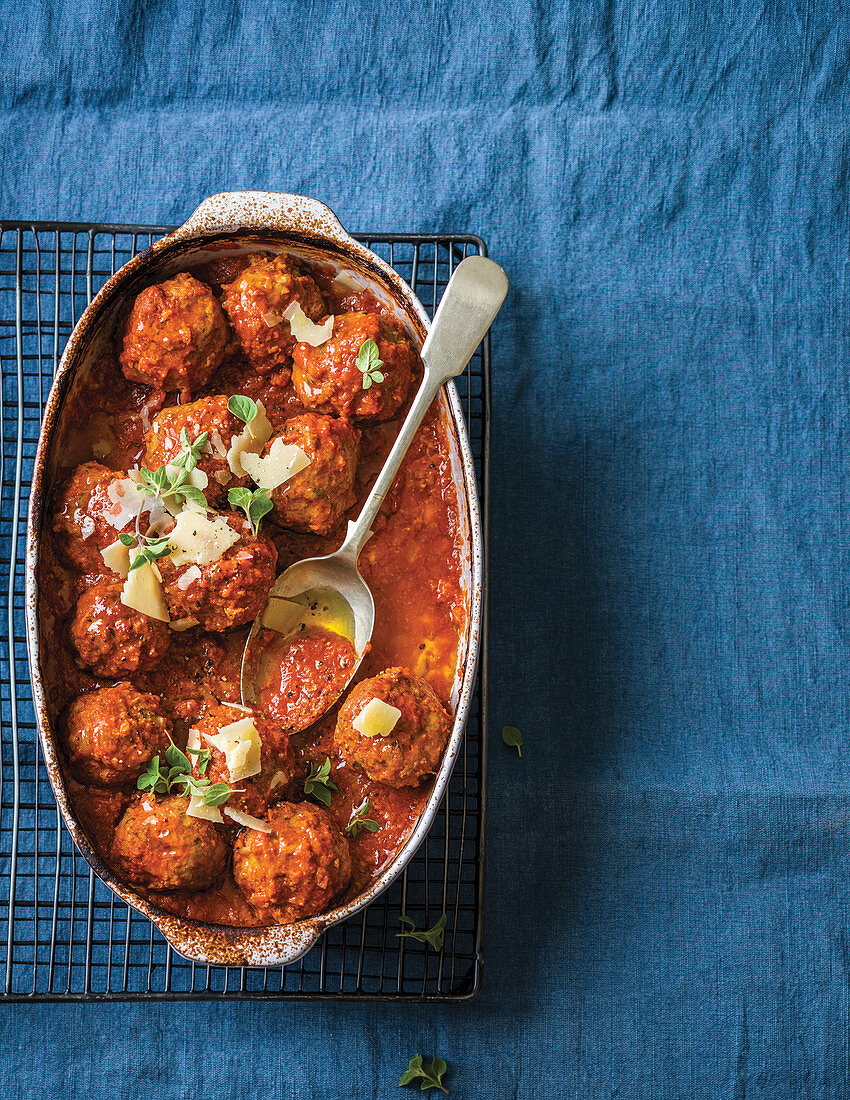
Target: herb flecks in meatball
[298, 868]
[227, 592]
[317, 497]
[111, 734]
[157, 846]
[255, 303]
[412, 749]
[112, 639]
[277, 760]
[328, 377]
[175, 337]
[210, 415]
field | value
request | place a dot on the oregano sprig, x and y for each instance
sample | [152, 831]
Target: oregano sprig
[178, 772]
[171, 480]
[359, 821]
[150, 548]
[433, 937]
[255, 504]
[369, 363]
[319, 784]
[429, 1073]
[512, 738]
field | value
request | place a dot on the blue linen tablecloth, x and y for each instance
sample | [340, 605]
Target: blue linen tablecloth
[667, 186]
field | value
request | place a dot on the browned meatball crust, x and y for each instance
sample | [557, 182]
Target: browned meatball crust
[255, 302]
[327, 377]
[228, 592]
[84, 519]
[298, 868]
[277, 761]
[413, 748]
[210, 415]
[317, 497]
[112, 639]
[111, 734]
[157, 846]
[176, 335]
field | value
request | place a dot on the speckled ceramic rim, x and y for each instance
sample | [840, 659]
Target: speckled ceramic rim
[307, 223]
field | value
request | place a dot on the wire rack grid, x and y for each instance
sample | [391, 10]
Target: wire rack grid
[64, 936]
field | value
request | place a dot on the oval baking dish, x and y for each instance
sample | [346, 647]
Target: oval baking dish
[224, 225]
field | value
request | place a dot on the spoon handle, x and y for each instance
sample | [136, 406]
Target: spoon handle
[471, 301]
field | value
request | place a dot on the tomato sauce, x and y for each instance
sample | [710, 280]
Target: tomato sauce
[412, 563]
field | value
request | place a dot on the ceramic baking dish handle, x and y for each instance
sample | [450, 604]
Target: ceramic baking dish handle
[232, 211]
[220, 946]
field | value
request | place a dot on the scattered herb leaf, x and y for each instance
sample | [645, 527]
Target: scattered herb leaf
[242, 407]
[513, 738]
[319, 783]
[434, 936]
[204, 757]
[150, 549]
[369, 363]
[359, 821]
[430, 1073]
[254, 504]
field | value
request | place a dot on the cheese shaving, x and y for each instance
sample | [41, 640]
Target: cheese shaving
[250, 440]
[200, 539]
[193, 573]
[240, 742]
[217, 444]
[283, 461]
[142, 592]
[376, 719]
[116, 557]
[182, 624]
[344, 281]
[271, 318]
[306, 331]
[248, 821]
[196, 808]
[281, 614]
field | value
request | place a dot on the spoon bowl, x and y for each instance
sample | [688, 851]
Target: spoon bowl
[468, 307]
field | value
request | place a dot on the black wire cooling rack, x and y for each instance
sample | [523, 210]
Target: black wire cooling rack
[64, 936]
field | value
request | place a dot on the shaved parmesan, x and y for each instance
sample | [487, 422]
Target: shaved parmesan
[304, 330]
[193, 741]
[222, 476]
[116, 557]
[281, 615]
[277, 779]
[343, 281]
[193, 573]
[248, 821]
[240, 742]
[237, 706]
[271, 318]
[283, 461]
[200, 539]
[128, 501]
[182, 624]
[196, 808]
[217, 443]
[377, 719]
[250, 440]
[143, 592]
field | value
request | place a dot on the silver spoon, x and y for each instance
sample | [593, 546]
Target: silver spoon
[471, 301]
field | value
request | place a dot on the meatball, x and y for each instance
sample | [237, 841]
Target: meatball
[318, 496]
[228, 592]
[277, 760]
[210, 415]
[255, 302]
[327, 377]
[413, 747]
[175, 337]
[298, 868]
[157, 846]
[112, 733]
[112, 639]
[89, 515]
